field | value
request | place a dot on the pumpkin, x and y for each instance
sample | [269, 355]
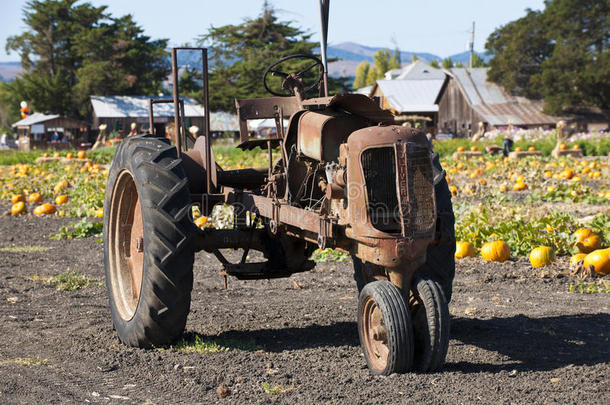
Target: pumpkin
[575, 259]
[586, 240]
[201, 221]
[15, 198]
[18, 208]
[45, 155]
[61, 199]
[518, 149]
[464, 249]
[56, 155]
[496, 251]
[474, 149]
[60, 186]
[99, 213]
[542, 256]
[45, 209]
[460, 149]
[599, 260]
[81, 154]
[520, 185]
[35, 198]
[69, 155]
[532, 149]
[576, 147]
[562, 146]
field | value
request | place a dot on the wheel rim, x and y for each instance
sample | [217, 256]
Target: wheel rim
[126, 243]
[375, 335]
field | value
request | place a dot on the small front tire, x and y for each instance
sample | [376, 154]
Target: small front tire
[385, 330]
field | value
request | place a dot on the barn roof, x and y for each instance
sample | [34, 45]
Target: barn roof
[496, 106]
[412, 95]
[420, 70]
[34, 119]
[137, 106]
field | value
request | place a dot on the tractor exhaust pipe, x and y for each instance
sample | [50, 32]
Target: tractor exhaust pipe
[324, 9]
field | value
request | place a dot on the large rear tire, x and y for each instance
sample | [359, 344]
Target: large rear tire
[148, 242]
[385, 330]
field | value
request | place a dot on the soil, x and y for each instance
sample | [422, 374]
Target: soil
[518, 336]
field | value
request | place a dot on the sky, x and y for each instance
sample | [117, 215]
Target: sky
[441, 27]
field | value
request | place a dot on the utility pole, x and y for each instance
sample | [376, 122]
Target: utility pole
[471, 46]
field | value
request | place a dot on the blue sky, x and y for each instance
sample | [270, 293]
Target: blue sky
[440, 27]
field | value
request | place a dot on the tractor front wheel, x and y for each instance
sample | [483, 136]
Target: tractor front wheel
[385, 329]
[148, 242]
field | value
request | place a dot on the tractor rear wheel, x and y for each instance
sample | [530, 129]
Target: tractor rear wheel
[148, 242]
[385, 330]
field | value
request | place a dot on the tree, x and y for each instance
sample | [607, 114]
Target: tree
[560, 54]
[362, 72]
[396, 62]
[477, 61]
[414, 58]
[70, 51]
[435, 64]
[447, 63]
[239, 55]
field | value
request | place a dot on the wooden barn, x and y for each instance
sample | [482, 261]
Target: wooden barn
[42, 131]
[469, 99]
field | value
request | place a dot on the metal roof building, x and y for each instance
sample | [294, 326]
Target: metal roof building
[412, 95]
[119, 112]
[46, 130]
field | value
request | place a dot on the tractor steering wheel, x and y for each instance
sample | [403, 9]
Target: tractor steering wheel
[292, 80]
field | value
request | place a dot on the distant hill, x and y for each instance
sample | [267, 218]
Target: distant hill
[352, 54]
[9, 70]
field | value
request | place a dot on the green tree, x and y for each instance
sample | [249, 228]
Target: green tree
[447, 63]
[362, 72]
[560, 54]
[477, 61]
[435, 64]
[240, 54]
[70, 51]
[372, 76]
[396, 63]
[414, 58]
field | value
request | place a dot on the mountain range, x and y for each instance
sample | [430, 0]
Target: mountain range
[349, 53]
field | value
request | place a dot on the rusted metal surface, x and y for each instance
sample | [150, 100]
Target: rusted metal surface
[375, 337]
[126, 250]
[251, 109]
[321, 133]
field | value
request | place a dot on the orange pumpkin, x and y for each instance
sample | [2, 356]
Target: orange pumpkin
[578, 257]
[18, 208]
[541, 256]
[201, 221]
[15, 198]
[464, 249]
[586, 240]
[460, 149]
[35, 198]
[532, 149]
[45, 209]
[61, 199]
[99, 213]
[81, 154]
[518, 149]
[599, 260]
[496, 251]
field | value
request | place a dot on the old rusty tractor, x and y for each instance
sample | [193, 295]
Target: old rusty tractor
[346, 178]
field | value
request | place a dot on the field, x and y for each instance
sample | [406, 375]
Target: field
[519, 334]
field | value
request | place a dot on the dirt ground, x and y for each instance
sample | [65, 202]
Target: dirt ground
[518, 336]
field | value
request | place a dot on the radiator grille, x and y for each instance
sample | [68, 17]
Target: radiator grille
[422, 209]
[416, 193]
[379, 167]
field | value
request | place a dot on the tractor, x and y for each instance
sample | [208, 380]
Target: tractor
[346, 177]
